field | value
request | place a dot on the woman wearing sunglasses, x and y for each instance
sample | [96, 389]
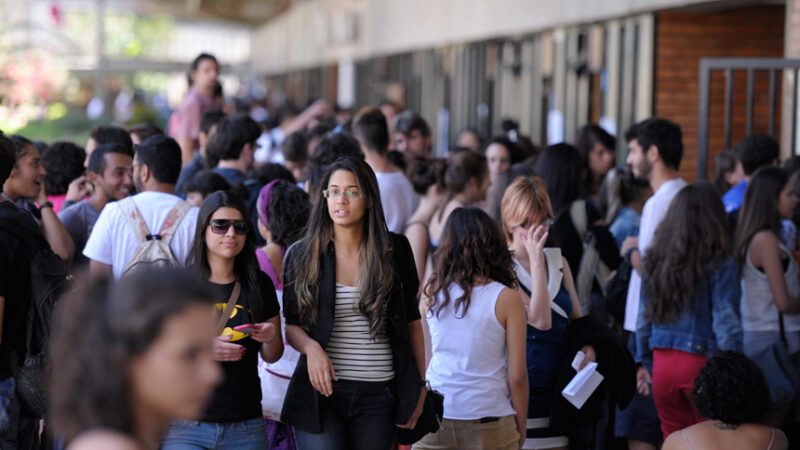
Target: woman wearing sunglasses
[351, 311]
[224, 254]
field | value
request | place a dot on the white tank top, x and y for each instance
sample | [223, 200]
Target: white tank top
[759, 312]
[469, 362]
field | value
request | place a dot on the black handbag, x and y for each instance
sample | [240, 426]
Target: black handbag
[430, 421]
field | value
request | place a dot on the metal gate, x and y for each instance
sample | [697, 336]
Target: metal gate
[763, 79]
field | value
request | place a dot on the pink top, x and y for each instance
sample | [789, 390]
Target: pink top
[185, 121]
[57, 201]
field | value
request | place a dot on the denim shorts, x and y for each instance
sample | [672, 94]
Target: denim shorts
[192, 435]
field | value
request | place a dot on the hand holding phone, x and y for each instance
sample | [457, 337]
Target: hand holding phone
[247, 328]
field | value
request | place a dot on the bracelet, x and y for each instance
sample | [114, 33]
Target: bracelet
[46, 205]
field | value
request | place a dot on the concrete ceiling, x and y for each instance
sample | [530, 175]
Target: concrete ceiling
[248, 12]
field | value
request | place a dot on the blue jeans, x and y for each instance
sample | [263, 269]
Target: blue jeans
[191, 435]
[359, 415]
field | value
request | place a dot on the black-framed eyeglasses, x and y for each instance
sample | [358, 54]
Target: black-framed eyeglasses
[221, 226]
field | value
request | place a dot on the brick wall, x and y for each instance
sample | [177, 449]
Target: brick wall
[682, 38]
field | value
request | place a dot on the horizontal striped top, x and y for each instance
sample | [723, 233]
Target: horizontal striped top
[354, 355]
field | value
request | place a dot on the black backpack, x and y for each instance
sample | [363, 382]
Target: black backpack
[617, 291]
[49, 280]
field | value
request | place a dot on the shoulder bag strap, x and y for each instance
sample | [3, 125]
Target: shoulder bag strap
[130, 211]
[226, 314]
[172, 221]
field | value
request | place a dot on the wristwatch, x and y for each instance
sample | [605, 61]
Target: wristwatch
[45, 205]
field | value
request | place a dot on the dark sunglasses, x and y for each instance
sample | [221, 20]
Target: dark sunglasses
[220, 226]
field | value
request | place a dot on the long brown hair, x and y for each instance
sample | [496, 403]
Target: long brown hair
[472, 250]
[376, 277]
[691, 241]
[760, 208]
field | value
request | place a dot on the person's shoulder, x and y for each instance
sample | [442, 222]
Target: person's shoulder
[103, 440]
[674, 441]
[764, 237]
[399, 242]
[780, 442]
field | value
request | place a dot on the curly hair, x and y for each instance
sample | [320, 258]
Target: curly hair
[732, 389]
[684, 251]
[289, 209]
[472, 251]
[63, 162]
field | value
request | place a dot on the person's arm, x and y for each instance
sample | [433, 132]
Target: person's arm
[54, 231]
[269, 335]
[513, 319]
[765, 253]
[577, 313]
[725, 300]
[630, 247]
[426, 334]
[320, 368]
[187, 145]
[317, 108]
[538, 310]
[98, 270]
[418, 346]
[417, 236]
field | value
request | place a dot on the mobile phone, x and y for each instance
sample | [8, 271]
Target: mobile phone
[247, 328]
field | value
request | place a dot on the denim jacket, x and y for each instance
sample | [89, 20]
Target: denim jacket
[713, 324]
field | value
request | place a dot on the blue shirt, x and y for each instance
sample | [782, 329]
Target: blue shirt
[734, 198]
[625, 225]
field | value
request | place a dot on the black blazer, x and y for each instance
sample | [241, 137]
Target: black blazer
[301, 406]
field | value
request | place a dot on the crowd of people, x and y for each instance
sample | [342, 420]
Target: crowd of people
[323, 281]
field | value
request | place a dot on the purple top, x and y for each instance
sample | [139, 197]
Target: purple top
[265, 265]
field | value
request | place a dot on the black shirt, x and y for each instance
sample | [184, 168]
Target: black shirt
[571, 244]
[15, 281]
[238, 397]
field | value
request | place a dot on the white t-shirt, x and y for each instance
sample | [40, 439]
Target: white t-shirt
[398, 198]
[114, 239]
[654, 211]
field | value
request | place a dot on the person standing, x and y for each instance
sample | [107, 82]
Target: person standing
[475, 337]
[185, 122]
[690, 305]
[655, 150]
[114, 241]
[224, 254]
[110, 176]
[397, 195]
[350, 290]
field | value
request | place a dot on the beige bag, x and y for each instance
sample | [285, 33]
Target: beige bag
[153, 250]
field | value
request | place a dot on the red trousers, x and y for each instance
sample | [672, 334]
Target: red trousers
[673, 376]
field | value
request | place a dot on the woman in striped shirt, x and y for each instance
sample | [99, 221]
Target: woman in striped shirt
[350, 305]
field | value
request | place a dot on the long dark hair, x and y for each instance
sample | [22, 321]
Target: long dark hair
[376, 277]
[560, 166]
[472, 249]
[99, 330]
[760, 208]
[691, 240]
[245, 265]
[463, 167]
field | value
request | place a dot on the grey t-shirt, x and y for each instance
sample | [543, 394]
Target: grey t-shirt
[79, 219]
